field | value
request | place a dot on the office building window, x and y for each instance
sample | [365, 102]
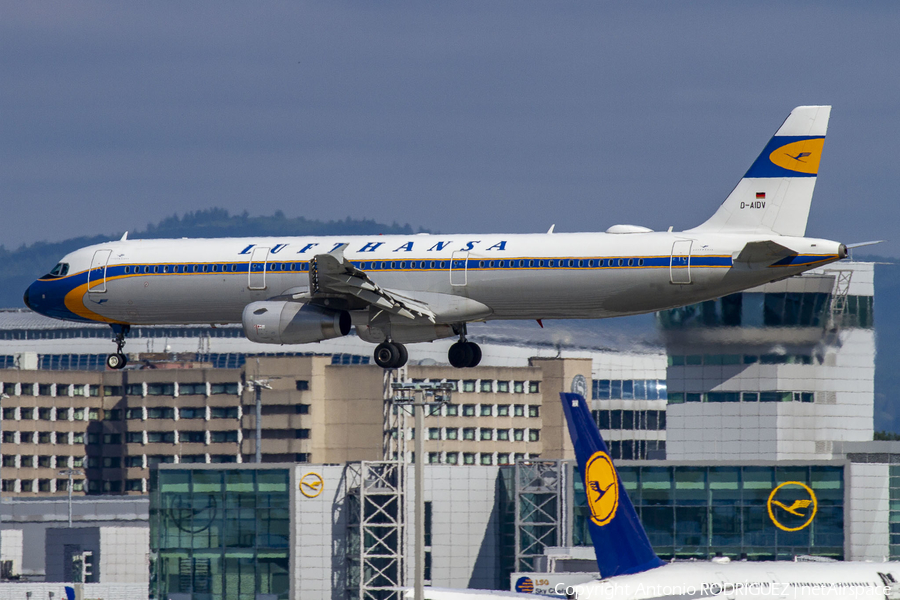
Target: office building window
[192, 412]
[468, 410]
[502, 387]
[503, 410]
[302, 385]
[487, 434]
[518, 387]
[518, 435]
[452, 410]
[519, 410]
[486, 410]
[134, 462]
[452, 433]
[487, 386]
[134, 485]
[452, 458]
[534, 410]
[534, 387]
[191, 389]
[534, 435]
[469, 433]
[434, 433]
[300, 434]
[503, 435]
[487, 459]
[468, 458]
[434, 457]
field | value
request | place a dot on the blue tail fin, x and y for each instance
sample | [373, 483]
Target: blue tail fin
[620, 542]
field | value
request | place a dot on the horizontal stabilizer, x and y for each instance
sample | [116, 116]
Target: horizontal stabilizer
[763, 253]
[861, 244]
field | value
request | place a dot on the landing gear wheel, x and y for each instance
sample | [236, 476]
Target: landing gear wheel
[476, 354]
[460, 355]
[404, 355]
[116, 361]
[391, 355]
[464, 355]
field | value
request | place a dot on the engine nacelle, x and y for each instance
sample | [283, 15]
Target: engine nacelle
[280, 322]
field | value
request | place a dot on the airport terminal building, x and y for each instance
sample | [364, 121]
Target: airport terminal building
[751, 404]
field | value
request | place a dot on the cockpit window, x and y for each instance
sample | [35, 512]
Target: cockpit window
[60, 270]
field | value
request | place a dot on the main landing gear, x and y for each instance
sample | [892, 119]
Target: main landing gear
[118, 360]
[464, 354]
[390, 355]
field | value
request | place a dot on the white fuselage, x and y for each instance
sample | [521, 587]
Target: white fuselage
[460, 277]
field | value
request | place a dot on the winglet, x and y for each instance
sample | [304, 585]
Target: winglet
[620, 542]
[338, 252]
[124, 237]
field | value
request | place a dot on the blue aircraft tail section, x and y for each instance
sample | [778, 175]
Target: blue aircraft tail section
[620, 542]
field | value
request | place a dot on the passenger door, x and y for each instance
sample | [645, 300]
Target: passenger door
[256, 273]
[97, 274]
[459, 268]
[680, 263]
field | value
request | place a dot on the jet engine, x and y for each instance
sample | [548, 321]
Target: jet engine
[280, 322]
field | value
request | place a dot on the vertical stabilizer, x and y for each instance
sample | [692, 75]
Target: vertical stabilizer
[620, 542]
[775, 194]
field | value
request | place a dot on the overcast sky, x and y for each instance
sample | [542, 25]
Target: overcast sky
[450, 116]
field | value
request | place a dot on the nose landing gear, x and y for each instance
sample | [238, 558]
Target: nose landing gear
[119, 359]
[391, 355]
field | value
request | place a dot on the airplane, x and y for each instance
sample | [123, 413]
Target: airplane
[630, 569]
[396, 290]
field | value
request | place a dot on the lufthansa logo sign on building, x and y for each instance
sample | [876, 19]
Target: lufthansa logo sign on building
[311, 485]
[602, 488]
[792, 506]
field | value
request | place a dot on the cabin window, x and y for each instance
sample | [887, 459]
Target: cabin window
[127, 270]
[640, 262]
[630, 262]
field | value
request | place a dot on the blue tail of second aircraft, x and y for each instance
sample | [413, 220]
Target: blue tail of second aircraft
[620, 542]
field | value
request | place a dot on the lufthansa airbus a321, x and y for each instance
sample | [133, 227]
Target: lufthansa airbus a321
[403, 289]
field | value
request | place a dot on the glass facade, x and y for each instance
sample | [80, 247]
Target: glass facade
[789, 309]
[894, 514]
[220, 533]
[700, 511]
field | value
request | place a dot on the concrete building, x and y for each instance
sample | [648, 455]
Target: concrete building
[779, 372]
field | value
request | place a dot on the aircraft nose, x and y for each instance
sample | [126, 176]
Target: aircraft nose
[25, 298]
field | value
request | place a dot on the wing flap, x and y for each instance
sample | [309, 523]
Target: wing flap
[332, 274]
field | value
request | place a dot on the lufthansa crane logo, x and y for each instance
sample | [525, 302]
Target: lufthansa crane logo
[792, 506]
[802, 156]
[311, 485]
[602, 487]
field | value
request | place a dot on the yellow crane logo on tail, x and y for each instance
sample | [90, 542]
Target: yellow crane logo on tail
[602, 487]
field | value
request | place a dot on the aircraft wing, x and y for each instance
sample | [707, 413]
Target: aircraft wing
[334, 275]
[763, 253]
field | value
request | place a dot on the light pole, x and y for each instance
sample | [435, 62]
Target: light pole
[2, 398]
[69, 473]
[258, 386]
[417, 395]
